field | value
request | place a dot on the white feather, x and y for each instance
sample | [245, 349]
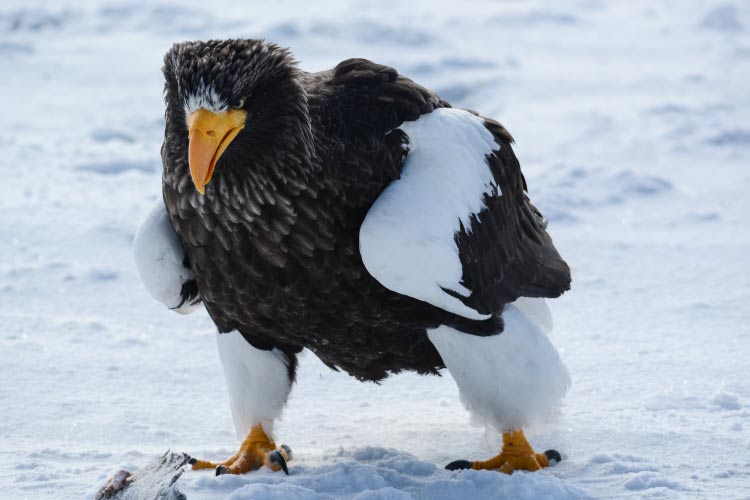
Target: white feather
[258, 382]
[158, 257]
[507, 381]
[537, 311]
[407, 239]
[205, 97]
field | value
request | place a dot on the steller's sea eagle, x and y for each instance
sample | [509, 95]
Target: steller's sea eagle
[354, 213]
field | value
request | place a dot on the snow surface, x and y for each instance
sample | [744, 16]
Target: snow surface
[631, 121]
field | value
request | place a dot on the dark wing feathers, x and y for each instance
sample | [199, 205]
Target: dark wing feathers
[189, 295]
[372, 99]
[507, 253]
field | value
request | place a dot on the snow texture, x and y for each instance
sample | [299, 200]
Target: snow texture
[507, 381]
[156, 481]
[407, 240]
[631, 125]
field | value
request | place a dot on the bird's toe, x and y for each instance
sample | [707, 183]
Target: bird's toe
[553, 456]
[459, 465]
[288, 452]
[276, 459]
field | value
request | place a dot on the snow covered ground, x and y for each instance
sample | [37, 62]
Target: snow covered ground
[632, 125]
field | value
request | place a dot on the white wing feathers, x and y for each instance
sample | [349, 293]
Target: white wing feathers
[159, 257]
[407, 239]
[537, 311]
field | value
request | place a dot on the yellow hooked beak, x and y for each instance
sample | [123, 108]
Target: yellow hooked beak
[210, 134]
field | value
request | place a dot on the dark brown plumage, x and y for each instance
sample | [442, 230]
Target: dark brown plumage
[274, 244]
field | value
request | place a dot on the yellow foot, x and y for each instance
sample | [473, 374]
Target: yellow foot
[256, 451]
[517, 454]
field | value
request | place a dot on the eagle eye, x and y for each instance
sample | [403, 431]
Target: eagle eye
[241, 103]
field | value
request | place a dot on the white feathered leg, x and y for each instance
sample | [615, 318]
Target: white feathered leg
[257, 380]
[507, 381]
[259, 383]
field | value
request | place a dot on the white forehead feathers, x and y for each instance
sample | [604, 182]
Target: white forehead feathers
[205, 97]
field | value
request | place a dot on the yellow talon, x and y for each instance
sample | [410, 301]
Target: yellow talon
[256, 451]
[517, 454]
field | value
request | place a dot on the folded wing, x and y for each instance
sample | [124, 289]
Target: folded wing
[457, 230]
[162, 262]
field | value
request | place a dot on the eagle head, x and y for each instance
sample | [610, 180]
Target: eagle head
[229, 103]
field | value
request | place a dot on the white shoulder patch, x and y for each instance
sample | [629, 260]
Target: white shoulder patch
[158, 256]
[407, 239]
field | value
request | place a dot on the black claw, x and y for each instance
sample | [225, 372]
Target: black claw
[221, 470]
[275, 457]
[553, 456]
[458, 465]
[190, 460]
